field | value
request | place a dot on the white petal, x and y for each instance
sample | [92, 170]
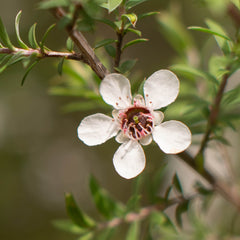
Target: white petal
[172, 136]
[97, 129]
[129, 160]
[146, 140]
[121, 138]
[116, 91]
[161, 89]
[139, 101]
[158, 117]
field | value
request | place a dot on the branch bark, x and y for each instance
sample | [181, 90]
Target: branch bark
[40, 54]
[86, 50]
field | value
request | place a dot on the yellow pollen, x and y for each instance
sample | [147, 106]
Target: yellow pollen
[135, 118]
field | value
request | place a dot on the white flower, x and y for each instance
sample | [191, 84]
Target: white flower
[136, 122]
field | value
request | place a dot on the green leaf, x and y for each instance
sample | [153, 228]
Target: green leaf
[108, 207]
[82, 106]
[175, 33]
[4, 36]
[133, 3]
[113, 4]
[86, 236]
[32, 37]
[69, 44]
[109, 23]
[192, 72]
[133, 231]
[54, 4]
[60, 66]
[133, 203]
[177, 184]
[45, 36]
[68, 226]
[132, 18]
[135, 31]
[181, 208]
[104, 43]
[20, 42]
[76, 215]
[202, 189]
[28, 71]
[110, 50]
[126, 66]
[138, 40]
[224, 44]
[148, 14]
[207, 30]
[231, 97]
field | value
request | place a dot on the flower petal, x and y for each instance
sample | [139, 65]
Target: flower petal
[97, 129]
[161, 89]
[158, 117]
[121, 138]
[129, 160]
[146, 140]
[116, 91]
[172, 136]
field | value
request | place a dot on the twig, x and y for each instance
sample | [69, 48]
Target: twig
[234, 13]
[39, 54]
[88, 54]
[212, 119]
[142, 214]
[230, 193]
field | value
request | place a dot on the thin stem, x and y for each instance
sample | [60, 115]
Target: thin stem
[118, 49]
[142, 214]
[38, 53]
[88, 54]
[230, 193]
[212, 119]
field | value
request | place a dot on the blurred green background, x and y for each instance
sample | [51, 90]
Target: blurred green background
[41, 157]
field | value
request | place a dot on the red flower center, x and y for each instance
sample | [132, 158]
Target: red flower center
[136, 122]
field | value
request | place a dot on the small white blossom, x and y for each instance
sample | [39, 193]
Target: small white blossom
[136, 122]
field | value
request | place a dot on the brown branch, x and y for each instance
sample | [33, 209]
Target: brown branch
[212, 119]
[234, 13]
[230, 193]
[39, 54]
[88, 54]
[142, 214]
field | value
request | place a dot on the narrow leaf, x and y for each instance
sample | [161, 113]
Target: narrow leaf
[133, 3]
[69, 44]
[32, 37]
[133, 231]
[113, 4]
[54, 4]
[224, 44]
[104, 43]
[27, 72]
[138, 40]
[110, 50]
[126, 66]
[4, 36]
[135, 31]
[68, 226]
[20, 41]
[108, 22]
[60, 66]
[177, 184]
[206, 30]
[45, 36]
[181, 208]
[75, 213]
[108, 207]
[148, 14]
[132, 18]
